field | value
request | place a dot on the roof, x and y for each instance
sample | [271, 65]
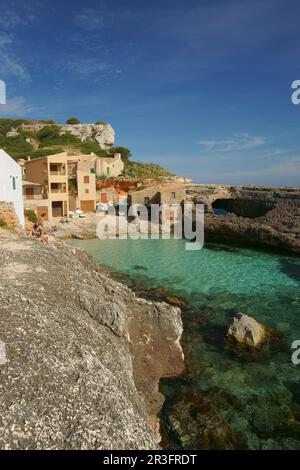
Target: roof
[46, 156]
[172, 187]
[29, 183]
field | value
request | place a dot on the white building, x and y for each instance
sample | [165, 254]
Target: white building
[110, 166]
[11, 184]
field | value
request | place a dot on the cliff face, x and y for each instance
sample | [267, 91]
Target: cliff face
[263, 215]
[104, 134]
[84, 354]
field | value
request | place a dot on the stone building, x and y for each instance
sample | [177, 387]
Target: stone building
[11, 184]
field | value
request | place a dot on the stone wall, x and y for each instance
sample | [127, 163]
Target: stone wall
[8, 214]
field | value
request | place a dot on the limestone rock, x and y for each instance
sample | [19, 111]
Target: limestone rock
[12, 133]
[246, 330]
[84, 354]
[258, 215]
[104, 134]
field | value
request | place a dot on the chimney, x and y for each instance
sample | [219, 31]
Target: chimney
[28, 159]
[117, 156]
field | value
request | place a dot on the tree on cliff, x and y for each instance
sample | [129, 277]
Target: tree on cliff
[47, 133]
[73, 120]
[124, 151]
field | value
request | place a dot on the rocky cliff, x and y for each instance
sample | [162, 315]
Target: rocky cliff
[103, 134]
[84, 355]
[262, 215]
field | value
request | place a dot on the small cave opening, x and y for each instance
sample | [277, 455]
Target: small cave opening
[249, 208]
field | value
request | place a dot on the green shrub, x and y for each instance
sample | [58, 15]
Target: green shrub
[26, 134]
[50, 135]
[73, 120]
[124, 151]
[17, 146]
[47, 133]
[44, 152]
[3, 224]
[144, 170]
[92, 147]
[7, 124]
[98, 123]
[31, 216]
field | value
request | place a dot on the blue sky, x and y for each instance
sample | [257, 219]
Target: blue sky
[201, 86]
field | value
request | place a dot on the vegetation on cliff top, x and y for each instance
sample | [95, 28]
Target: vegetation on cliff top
[144, 170]
[48, 141]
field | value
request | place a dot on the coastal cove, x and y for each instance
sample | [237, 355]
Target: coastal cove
[226, 398]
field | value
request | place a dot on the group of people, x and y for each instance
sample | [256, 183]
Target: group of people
[38, 229]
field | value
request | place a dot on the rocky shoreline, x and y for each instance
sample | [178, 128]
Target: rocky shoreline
[256, 215]
[266, 217]
[84, 354]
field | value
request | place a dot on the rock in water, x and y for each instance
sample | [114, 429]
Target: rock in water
[246, 330]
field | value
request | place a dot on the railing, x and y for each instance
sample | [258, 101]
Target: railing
[33, 196]
[59, 191]
[57, 173]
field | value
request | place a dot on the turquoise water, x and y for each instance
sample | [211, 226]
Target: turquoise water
[258, 396]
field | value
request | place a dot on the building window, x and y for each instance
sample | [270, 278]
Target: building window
[30, 192]
[146, 200]
[86, 179]
[14, 184]
[87, 191]
[173, 195]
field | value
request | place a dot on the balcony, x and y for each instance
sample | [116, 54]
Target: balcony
[57, 173]
[58, 188]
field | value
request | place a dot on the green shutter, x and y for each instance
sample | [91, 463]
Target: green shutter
[14, 183]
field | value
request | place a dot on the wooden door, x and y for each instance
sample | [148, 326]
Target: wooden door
[87, 206]
[104, 199]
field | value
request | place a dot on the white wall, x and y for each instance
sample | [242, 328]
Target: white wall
[10, 169]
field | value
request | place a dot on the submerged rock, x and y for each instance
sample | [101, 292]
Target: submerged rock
[246, 330]
[177, 301]
[196, 423]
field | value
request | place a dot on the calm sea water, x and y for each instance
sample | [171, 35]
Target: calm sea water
[257, 396]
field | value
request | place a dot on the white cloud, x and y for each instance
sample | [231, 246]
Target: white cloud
[13, 16]
[237, 143]
[10, 65]
[90, 19]
[93, 19]
[278, 173]
[92, 68]
[17, 106]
